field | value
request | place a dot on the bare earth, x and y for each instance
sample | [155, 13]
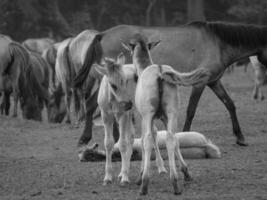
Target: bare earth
[39, 160]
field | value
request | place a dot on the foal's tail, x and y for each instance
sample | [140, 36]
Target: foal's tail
[197, 77]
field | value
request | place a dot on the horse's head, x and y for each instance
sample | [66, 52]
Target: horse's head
[30, 109]
[139, 47]
[56, 108]
[118, 83]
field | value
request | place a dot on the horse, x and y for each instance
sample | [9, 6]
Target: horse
[39, 70]
[71, 55]
[17, 67]
[38, 45]
[193, 145]
[210, 45]
[260, 77]
[113, 109]
[157, 97]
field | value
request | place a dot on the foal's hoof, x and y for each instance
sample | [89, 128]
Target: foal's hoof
[241, 143]
[107, 182]
[139, 180]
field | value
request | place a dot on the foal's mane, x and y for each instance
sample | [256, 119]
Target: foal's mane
[235, 34]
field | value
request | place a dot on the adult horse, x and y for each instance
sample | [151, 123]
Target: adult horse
[71, 54]
[210, 45]
[17, 67]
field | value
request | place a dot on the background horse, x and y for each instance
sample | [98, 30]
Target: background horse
[38, 45]
[71, 56]
[16, 65]
[210, 45]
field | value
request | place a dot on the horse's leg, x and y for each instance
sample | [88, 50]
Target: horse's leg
[16, 99]
[109, 143]
[220, 92]
[192, 105]
[159, 160]
[91, 105]
[143, 129]
[172, 145]
[255, 91]
[125, 147]
[68, 102]
[6, 98]
[148, 145]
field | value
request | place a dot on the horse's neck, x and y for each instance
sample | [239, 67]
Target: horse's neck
[141, 63]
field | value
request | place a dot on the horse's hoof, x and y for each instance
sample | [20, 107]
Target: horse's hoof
[176, 188]
[107, 182]
[241, 143]
[163, 171]
[68, 121]
[188, 178]
[124, 183]
[138, 181]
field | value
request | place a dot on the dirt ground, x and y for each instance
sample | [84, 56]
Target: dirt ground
[39, 160]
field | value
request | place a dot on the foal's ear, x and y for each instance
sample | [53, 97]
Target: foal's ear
[101, 70]
[151, 45]
[128, 47]
[121, 59]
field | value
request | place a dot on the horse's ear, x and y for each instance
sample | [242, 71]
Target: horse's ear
[126, 46]
[121, 59]
[151, 45]
[101, 70]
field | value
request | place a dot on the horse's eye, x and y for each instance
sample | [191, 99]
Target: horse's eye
[114, 87]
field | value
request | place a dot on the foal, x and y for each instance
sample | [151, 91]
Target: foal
[157, 97]
[116, 94]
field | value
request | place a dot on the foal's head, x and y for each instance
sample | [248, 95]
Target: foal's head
[118, 82]
[140, 51]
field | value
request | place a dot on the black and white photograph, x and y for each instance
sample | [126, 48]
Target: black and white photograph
[133, 99]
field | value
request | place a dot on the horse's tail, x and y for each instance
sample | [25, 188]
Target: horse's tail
[197, 77]
[19, 61]
[94, 54]
[212, 151]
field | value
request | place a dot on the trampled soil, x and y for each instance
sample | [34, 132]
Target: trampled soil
[39, 160]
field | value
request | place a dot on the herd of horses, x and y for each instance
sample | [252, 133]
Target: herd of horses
[44, 73]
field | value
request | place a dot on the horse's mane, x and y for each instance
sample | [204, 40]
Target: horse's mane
[235, 34]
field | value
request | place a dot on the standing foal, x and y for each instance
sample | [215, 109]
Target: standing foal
[157, 97]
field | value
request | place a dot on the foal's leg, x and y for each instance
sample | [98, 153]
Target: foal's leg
[125, 146]
[159, 160]
[147, 145]
[171, 146]
[192, 105]
[109, 143]
[218, 89]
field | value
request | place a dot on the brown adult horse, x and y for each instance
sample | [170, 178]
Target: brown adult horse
[210, 45]
[16, 65]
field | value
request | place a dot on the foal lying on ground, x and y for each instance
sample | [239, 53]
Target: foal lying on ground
[193, 145]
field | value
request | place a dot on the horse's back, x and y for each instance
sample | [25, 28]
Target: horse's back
[181, 47]
[79, 46]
